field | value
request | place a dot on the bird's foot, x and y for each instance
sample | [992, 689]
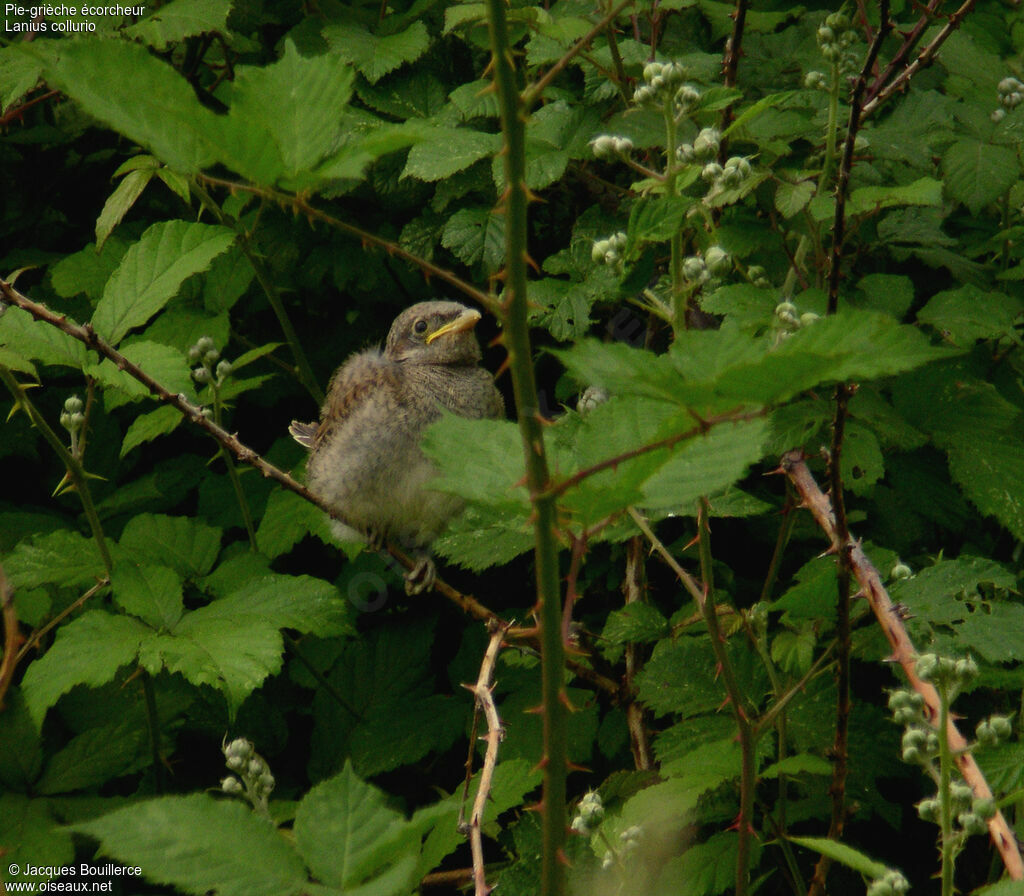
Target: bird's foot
[422, 576]
[375, 539]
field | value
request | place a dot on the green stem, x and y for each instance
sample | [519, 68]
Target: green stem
[74, 468]
[679, 298]
[303, 371]
[236, 480]
[746, 729]
[827, 163]
[945, 800]
[153, 723]
[517, 343]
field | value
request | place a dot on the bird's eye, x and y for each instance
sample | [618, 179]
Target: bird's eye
[420, 326]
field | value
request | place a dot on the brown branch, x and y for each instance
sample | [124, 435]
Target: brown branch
[483, 691]
[846, 163]
[17, 111]
[903, 651]
[534, 91]
[910, 41]
[12, 636]
[730, 67]
[41, 633]
[924, 59]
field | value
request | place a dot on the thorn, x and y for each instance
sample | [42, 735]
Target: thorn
[535, 711]
[563, 859]
[573, 767]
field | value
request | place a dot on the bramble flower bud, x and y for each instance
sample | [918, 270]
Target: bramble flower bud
[603, 146]
[73, 404]
[808, 318]
[707, 143]
[687, 97]
[231, 785]
[711, 172]
[985, 808]
[718, 261]
[815, 81]
[928, 810]
[201, 375]
[899, 571]
[223, 369]
[622, 145]
[926, 666]
[694, 268]
[684, 153]
[652, 70]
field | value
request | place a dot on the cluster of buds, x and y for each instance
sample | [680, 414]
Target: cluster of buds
[209, 369]
[662, 81]
[609, 251]
[588, 814]
[789, 319]
[835, 37]
[1011, 95]
[252, 778]
[728, 176]
[816, 81]
[947, 674]
[993, 731]
[892, 883]
[72, 417]
[758, 276]
[715, 262]
[972, 814]
[607, 146]
[629, 839]
[703, 149]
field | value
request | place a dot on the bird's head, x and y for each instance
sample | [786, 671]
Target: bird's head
[434, 333]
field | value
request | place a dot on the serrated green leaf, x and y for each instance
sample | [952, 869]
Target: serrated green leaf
[152, 271]
[791, 199]
[969, 313]
[152, 593]
[186, 545]
[375, 55]
[977, 173]
[197, 844]
[121, 200]
[285, 118]
[990, 474]
[18, 75]
[655, 220]
[868, 200]
[705, 464]
[348, 835]
[403, 732]
[892, 294]
[800, 764]
[793, 651]
[164, 363]
[87, 270]
[88, 650]
[96, 756]
[62, 558]
[636, 622]
[27, 340]
[149, 426]
[705, 869]
[680, 678]
[845, 855]
[476, 235]
[175, 21]
[136, 93]
[441, 152]
[287, 520]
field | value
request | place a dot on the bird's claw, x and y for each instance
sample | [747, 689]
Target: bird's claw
[421, 577]
[375, 539]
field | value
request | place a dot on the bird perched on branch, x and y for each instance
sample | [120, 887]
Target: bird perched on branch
[365, 458]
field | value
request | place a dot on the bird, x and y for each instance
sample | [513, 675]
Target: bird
[365, 459]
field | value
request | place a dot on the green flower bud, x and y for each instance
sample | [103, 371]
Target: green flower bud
[73, 404]
[985, 808]
[711, 172]
[926, 666]
[899, 571]
[718, 261]
[652, 70]
[928, 810]
[223, 369]
[232, 785]
[694, 268]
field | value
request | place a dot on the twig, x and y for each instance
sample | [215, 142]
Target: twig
[634, 584]
[903, 651]
[924, 58]
[909, 42]
[846, 162]
[483, 691]
[535, 91]
[41, 633]
[730, 67]
[12, 636]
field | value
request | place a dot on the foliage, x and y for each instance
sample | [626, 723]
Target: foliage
[237, 195]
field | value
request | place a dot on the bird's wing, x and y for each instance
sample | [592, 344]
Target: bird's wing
[303, 433]
[352, 384]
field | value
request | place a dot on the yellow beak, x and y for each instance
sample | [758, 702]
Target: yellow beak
[465, 321]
